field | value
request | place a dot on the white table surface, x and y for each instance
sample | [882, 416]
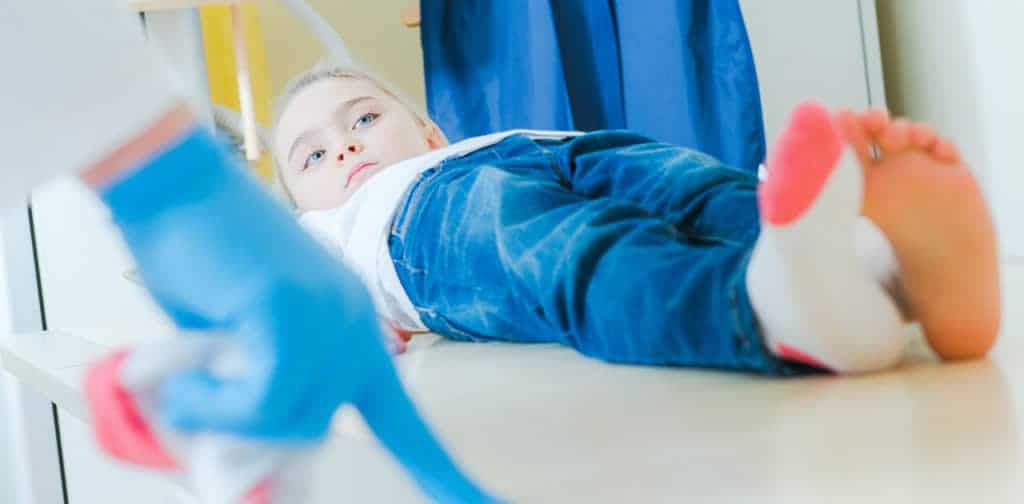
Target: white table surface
[541, 424]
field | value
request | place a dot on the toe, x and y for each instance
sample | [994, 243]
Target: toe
[944, 151]
[896, 137]
[874, 121]
[852, 129]
[922, 136]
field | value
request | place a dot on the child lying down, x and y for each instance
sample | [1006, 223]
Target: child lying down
[638, 252]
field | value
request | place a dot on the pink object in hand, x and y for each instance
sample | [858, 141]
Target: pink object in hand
[260, 494]
[121, 429]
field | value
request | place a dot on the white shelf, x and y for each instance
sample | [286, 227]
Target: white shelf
[52, 363]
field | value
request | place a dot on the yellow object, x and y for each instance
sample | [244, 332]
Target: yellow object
[221, 67]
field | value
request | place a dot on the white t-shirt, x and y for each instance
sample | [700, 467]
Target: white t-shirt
[358, 230]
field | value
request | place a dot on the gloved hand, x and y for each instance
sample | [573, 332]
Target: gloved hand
[219, 255]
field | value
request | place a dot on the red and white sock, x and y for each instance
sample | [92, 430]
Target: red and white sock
[815, 296]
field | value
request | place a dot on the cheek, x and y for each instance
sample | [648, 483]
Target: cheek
[318, 190]
[406, 140]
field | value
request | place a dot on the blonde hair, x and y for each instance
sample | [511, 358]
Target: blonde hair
[322, 72]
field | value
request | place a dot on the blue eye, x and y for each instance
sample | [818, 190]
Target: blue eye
[314, 158]
[366, 120]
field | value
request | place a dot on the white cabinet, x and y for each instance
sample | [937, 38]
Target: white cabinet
[94, 478]
[9, 490]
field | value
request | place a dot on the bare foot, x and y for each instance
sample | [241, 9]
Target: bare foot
[925, 200]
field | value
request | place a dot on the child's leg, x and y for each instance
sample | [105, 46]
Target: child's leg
[691, 190]
[504, 252]
[814, 299]
[500, 252]
[929, 205]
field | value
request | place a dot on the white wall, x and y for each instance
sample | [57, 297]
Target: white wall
[956, 65]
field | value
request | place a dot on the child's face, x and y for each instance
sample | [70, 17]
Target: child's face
[337, 133]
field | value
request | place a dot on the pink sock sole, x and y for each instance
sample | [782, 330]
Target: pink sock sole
[805, 156]
[790, 353]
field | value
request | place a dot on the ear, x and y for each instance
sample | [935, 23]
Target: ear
[435, 137]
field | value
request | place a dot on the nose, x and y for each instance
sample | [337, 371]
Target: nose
[350, 148]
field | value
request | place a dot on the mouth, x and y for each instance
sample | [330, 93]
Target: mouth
[357, 170]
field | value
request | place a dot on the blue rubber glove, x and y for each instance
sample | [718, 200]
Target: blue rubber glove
[218, 254]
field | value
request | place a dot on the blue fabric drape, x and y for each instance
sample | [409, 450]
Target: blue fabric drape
[679, 71]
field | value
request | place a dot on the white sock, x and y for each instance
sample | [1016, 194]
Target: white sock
[818, 301]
